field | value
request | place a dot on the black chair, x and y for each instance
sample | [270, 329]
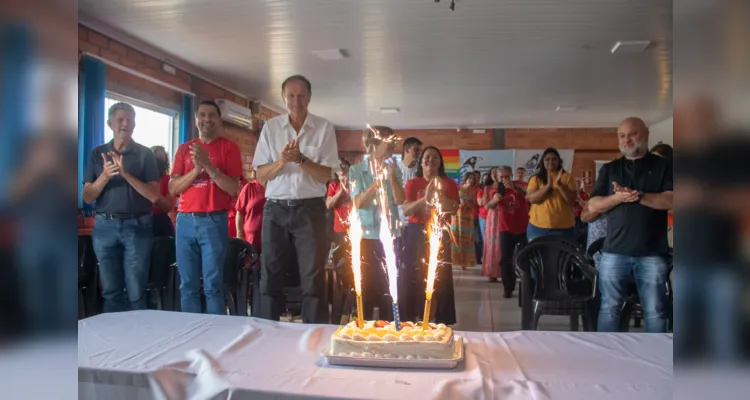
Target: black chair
[241, 256]
[564, 240]
[161, 272]
[88, 278]
[564, 283]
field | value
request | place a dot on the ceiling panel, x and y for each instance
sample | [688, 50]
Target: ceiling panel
[500, 63]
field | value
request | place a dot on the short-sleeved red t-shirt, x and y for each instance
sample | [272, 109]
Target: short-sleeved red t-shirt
[482, 209]
[514, 211]
[204, 195]
[415, 190]
[340, 213]
[163, 190]
[250, 202]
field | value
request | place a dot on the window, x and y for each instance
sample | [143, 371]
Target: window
[154, 125]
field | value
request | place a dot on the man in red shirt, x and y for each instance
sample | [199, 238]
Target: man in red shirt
[206, 175]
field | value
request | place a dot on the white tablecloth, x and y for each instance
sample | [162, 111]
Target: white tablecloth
[247, 358]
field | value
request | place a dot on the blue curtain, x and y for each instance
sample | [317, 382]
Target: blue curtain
[186, 118]
[16, 66]
[93, 92]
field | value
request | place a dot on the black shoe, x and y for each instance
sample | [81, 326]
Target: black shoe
[507, 294]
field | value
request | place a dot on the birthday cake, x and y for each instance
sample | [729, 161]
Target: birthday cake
[380, 339]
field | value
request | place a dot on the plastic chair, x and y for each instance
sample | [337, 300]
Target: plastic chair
[564, 282]
[161, 272]
[564, 240]
[240, 257]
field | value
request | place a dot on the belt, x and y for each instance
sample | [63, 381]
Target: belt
[295, 202]
[204, 214]
[122, 216]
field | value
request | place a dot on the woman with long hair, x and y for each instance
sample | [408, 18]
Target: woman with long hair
[462, 225]
[430, 184]
[163, 225]
[552, 194]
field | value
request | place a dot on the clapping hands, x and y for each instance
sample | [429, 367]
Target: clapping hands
[291, 152]
[624, 194]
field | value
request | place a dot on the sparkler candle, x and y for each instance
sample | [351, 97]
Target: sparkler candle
[355, 237]
[434, 236]
[386, 236]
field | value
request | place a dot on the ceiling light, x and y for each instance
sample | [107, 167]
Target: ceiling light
[334, 54]
[630, 46]
[567, 108]
[389, 110]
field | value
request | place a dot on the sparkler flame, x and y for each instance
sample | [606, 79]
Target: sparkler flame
[355, 237]
[434, 239]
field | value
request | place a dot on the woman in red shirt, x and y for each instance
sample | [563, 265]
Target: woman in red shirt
[163, 225]
[249, 211]
[507, 220]
[430, 180]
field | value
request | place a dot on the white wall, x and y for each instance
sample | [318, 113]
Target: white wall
[661, 132]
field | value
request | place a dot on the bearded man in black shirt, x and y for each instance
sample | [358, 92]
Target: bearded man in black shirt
[635, 194]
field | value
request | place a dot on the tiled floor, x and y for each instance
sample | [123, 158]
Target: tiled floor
[481, 307]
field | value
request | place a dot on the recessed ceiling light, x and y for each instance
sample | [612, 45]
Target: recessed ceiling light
[630, 46]
[566, 108]
[334, 54]
[389, 110]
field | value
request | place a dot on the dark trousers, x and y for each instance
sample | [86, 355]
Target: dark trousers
[296, 226]
[123, 248]
[412, 278]
[478, 241]
[163, 225]
[375, 291]
[508, 242]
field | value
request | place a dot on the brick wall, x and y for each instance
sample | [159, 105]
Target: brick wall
[350, 141]
[130, 85]
[590, 144]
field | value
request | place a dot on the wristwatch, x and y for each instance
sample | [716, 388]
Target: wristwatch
[640, 195]
[212, 175]
[301, 159]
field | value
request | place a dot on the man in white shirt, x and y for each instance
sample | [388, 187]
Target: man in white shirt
[296, 155]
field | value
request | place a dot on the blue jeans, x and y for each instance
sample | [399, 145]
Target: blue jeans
[123, 249]
[482, 225]
[46, 281]
[202, 242]
[616, 272]
[533, 232]
[710, 294]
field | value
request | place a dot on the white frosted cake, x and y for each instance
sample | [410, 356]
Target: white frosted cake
[380, 339]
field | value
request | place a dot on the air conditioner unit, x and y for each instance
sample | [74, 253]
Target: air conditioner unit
[235, 113]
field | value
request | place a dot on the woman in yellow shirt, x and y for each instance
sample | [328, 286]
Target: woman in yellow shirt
[552, 193]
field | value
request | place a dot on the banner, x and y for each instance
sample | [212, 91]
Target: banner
[452, 163]
[529, 159]
[484, 160]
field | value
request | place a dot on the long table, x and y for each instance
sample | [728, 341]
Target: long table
[126, 355]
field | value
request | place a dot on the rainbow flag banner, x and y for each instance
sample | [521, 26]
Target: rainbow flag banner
[452, 160]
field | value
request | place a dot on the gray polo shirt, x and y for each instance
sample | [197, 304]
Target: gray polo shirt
[118, 197]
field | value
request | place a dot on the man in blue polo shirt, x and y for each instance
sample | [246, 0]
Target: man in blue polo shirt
[122, 180]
